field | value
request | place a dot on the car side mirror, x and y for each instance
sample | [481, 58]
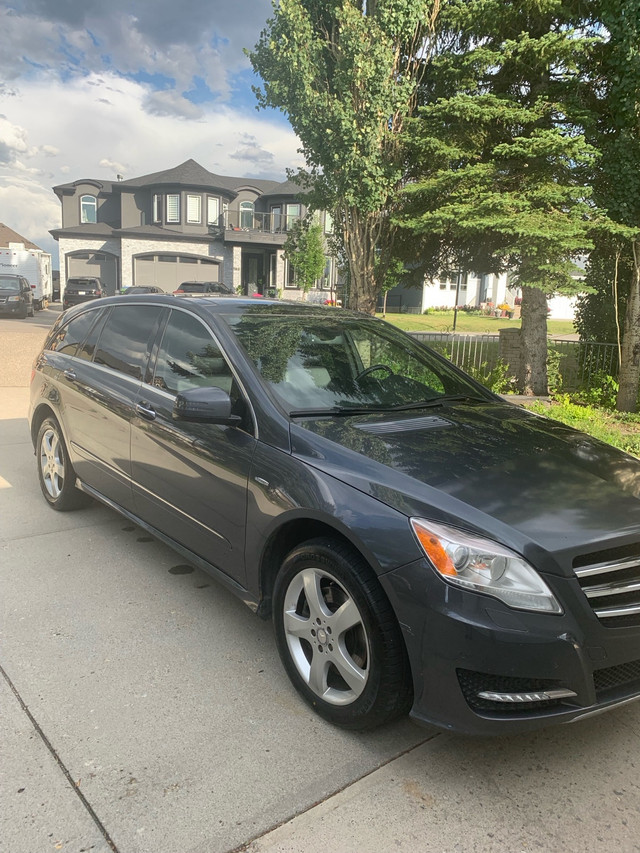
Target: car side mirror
[209, 405]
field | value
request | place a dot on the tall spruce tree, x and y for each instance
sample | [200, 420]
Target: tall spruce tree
[615, 77]
[346, 74]
[499, 165]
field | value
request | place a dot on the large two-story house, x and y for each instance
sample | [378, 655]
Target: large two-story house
[183, 224]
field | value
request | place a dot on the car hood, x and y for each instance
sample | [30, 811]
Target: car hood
[494, 467]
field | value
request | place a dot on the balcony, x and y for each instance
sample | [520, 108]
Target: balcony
[242, 226]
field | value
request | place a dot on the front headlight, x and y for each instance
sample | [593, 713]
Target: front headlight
[13, 299]
[472, 562]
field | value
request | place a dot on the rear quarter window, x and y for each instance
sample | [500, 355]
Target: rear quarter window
[67, 338]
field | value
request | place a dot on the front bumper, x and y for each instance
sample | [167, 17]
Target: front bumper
[462, 644]
[12, 307]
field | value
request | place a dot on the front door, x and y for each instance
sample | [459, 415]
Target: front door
[252, 277]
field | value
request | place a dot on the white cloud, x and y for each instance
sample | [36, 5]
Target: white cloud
[58, 134]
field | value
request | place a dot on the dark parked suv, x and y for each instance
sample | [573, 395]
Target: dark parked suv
[419, 543]
[81, 289]
[16, 296]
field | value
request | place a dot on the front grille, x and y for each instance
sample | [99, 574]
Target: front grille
[473, 683]
[611, 582]
[616, 676]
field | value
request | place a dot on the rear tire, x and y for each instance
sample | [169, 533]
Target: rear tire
[55, 472]
[339, 638]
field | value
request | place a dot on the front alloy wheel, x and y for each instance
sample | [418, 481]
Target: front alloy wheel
[326, 636]
[338, 636]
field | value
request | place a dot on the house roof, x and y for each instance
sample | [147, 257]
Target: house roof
[191, 174]
[8, 235]
[86, 229]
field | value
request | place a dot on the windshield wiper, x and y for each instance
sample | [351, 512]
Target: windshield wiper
[339, 410]
[382, 410]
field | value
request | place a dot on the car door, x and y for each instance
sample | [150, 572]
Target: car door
[98, 389]
[190, 479]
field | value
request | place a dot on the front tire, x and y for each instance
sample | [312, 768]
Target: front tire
[338, 636]
[55, 472]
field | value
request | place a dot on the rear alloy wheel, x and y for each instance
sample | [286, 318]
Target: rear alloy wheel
[55, 473]
[338, 637]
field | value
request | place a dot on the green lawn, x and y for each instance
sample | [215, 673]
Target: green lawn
[442, 321]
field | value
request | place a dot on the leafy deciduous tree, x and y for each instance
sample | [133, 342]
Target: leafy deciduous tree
[346, 73]
[304, 249]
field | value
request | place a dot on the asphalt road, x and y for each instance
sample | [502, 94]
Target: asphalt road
[144, 710]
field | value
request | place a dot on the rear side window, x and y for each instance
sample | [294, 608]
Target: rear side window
[126, 338]
[68, 337]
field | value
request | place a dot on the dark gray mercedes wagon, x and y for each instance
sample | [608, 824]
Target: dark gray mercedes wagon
[420, 544]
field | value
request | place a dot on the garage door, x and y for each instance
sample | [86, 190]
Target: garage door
[169, 271]
[95, 265]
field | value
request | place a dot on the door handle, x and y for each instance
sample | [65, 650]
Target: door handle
[70, 375]
[146, 410]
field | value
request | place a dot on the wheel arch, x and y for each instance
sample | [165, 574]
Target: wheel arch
[40, 414]
[288, 536]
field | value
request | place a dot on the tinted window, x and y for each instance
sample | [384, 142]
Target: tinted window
[70, 335]
[88, 348]
[12, 284]
[189, 357]
[125, 339]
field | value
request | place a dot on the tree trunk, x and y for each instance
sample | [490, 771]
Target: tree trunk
[534, 342]
[360, 239]
[630, 351]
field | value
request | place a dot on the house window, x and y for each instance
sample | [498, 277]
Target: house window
[276, 218]
[213, 210]
[157, 208]
[443, 285]
[194, 209]
[173, 208]
[88, 208]
[328, 223]
[290, 280]
[246, 214]
[325, 282]
[293, 215]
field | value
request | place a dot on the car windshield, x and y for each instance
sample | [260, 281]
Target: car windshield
[11, 284]
[341, 363]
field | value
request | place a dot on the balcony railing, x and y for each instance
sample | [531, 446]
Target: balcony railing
[264, 223]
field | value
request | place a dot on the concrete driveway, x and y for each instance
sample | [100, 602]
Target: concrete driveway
[144, 710]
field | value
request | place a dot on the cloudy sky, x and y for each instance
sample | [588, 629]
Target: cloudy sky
[90, 88]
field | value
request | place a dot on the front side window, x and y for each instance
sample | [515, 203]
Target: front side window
[194, 209]
[189, 357]
[173, 208]
[125, 340]
[88, 208]
[157, 208]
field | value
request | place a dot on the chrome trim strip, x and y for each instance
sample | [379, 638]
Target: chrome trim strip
[602, 568]
[611, 589]
[126, 479]
[609, 612]
[531, 696]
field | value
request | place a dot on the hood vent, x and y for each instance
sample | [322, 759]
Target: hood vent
[404, 425]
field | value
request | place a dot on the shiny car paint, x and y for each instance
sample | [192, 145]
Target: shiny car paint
[237, 501]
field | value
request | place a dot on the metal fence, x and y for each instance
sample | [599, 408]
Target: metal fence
[581, 364]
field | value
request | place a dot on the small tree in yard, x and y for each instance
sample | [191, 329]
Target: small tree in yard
[346, 73]
[304, 249]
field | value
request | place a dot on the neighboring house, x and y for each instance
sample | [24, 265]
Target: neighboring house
[182, 224]
[469, 290]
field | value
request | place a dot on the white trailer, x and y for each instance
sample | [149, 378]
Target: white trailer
[35, 266]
